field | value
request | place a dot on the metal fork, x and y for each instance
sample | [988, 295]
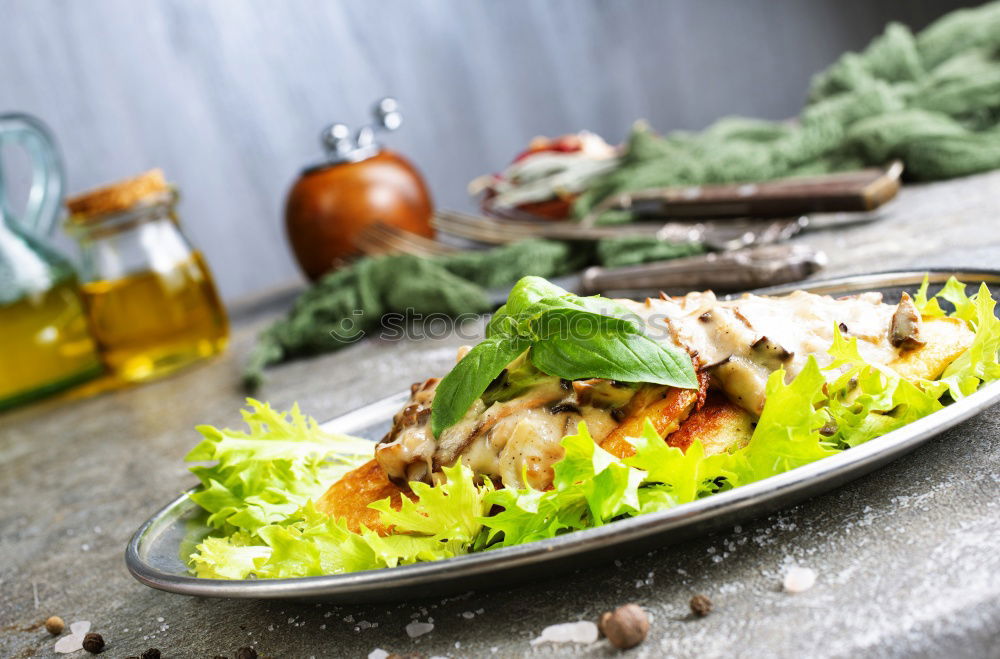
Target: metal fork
[742, 268]
[381, 238]
[720, 236]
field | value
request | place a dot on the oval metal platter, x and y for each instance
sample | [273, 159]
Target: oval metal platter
[154, 555]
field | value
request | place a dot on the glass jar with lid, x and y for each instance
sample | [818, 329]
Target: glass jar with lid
[150, 297]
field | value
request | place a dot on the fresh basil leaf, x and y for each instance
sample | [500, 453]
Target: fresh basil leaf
[534, 297]
[469, 378]
[533, 291]
[606, 306]
[574, 337]
[517, 379]
[501, 324]
[562, 324]
[575, 345]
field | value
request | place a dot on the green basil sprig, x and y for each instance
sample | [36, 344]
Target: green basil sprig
[567, 336]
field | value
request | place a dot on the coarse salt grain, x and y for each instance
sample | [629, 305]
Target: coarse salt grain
[378, 653]
[416, 628]
[799, 579]
[74, 641]
[582, 631]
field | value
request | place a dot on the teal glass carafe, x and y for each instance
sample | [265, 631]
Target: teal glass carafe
[45, 343]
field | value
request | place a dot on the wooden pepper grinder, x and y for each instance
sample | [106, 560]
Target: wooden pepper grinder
[359, 183]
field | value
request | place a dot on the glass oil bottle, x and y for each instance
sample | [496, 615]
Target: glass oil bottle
[150, 297]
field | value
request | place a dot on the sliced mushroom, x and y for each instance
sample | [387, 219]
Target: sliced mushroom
[766, 352]
[904, 330]
[406, 452]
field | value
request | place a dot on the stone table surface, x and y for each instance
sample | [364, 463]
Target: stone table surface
[907, 558]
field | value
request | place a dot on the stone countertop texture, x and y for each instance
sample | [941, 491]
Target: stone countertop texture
[906, 558]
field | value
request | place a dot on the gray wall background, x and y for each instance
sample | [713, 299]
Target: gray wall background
[228, 96]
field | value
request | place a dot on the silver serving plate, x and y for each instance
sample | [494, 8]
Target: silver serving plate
[154, 555]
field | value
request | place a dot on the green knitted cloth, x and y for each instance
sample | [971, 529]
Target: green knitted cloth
[931, 100]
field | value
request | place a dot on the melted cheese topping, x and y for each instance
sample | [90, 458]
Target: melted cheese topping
[743, 341]
[739, 342]
[515, 442]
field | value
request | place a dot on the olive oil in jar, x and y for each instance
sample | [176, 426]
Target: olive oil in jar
[44, 345]
[151, 323]
[150, 298]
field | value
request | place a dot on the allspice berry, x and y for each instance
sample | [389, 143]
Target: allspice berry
[246, 653]
[701, 606]
[93, 643]
[625, 627]
[55, 625]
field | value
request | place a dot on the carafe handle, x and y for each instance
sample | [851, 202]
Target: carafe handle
[46, 192]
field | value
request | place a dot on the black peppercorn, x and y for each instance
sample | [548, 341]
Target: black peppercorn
[93, 643]
[700, 605]
[151, 653]
[246, 653]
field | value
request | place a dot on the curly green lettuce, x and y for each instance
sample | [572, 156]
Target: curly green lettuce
[978, 364]
[260, 490]
[265, 475]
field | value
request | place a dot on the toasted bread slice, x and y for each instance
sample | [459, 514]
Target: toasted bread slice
[349, 497]
[665, 407]
[718, 424]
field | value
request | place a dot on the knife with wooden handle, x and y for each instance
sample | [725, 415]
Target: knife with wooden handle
[861, 190]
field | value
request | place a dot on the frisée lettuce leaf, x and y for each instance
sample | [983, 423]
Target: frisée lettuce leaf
[444, 521]
[978, 364]
[266, 474]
